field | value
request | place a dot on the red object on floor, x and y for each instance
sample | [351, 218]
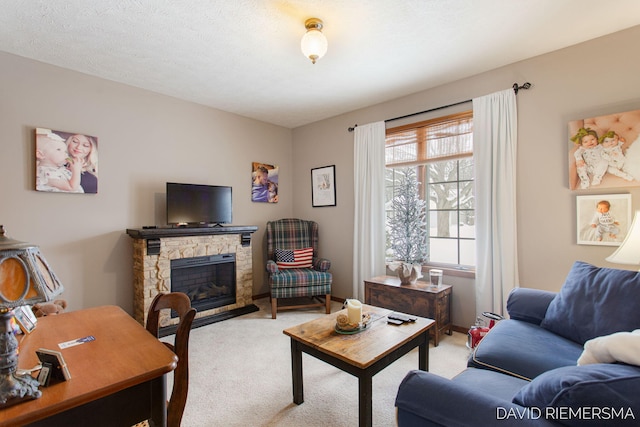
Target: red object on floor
[479, 330]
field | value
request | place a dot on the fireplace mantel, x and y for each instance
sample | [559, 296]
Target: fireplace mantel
[160, 232]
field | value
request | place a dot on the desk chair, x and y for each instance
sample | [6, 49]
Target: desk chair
[180, 303]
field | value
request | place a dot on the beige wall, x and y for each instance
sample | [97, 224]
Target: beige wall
[595, 78]
[145, 140]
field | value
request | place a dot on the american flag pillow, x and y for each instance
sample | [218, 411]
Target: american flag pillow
[297, 258]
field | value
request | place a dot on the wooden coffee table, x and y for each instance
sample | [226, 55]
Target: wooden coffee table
[363, 354]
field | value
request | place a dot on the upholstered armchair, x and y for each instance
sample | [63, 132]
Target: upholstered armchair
[293, 265]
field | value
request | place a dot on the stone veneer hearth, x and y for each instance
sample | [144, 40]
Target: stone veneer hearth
[153, 250]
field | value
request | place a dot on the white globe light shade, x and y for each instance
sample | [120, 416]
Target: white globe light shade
[314, 45]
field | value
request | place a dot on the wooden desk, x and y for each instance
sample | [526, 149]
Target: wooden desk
[362, 355]
[116, 380]
[420, 299]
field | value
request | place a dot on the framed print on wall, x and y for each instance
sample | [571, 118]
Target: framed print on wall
[66, 162]
[323, 186]
[603, 219]
[604, 151]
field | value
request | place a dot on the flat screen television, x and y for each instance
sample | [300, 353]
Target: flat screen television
[198, 205]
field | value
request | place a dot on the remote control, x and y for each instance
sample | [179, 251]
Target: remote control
[402, 317]
[394, 321]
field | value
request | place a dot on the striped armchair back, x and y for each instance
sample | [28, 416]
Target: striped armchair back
[291, 233]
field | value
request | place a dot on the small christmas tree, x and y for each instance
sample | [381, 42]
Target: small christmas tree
[408, 222]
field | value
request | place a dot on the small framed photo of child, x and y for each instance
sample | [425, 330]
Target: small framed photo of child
[603, 219]
[66, 162]
[604, 151]
[25, 318]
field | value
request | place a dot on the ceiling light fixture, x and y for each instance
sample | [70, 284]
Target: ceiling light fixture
[314, 43]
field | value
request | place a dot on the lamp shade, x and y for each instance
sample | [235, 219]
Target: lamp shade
[629, 251]
[314, 44]
[25, 276]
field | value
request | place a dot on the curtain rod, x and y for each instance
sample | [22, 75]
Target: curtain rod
[516, 88]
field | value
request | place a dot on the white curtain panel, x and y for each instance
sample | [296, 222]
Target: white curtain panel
[369, 215]
[494, 152]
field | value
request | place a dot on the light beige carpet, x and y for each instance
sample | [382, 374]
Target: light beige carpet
[240, 375]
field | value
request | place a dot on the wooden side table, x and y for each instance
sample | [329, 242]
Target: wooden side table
[420, 299]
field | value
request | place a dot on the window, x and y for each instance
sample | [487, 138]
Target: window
[440, 153]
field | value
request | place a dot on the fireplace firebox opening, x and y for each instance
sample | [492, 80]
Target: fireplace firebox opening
[208, 281]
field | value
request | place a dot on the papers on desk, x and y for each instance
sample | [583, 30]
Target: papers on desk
[78, 341]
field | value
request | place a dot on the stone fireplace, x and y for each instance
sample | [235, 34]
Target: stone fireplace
[213, 266]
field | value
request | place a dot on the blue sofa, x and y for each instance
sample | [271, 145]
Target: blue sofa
[525, 371]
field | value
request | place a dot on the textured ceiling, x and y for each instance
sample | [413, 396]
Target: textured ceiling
[243, 56]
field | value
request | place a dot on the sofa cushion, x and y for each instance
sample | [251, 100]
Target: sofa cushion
[594, 302]
[524, 350]
[528, 304]
[619, 347]
[586, 389]
[476, 397]
[500, 386]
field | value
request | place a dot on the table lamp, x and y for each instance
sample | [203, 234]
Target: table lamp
[629, 251]
[25, 279]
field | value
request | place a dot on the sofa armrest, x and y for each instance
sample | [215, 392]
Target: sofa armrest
[427, 399]
[529, 305]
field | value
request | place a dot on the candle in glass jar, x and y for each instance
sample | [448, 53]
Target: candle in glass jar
[354, 311]
[435, 276]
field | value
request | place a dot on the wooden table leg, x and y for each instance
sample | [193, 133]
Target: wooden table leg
[158, 402]
[296, 372]
[423, 354]
[364, 402]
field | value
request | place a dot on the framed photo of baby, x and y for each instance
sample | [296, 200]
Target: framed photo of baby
[604, 151]
[264, 183]
[66, 162]
[603, 219]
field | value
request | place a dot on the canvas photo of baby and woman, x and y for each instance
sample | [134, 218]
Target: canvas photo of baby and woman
[604, 151]
[66, 162]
